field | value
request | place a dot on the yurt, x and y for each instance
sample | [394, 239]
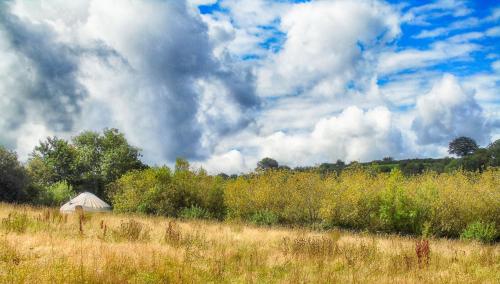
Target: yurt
[87, 202]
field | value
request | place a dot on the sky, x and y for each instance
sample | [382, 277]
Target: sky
[225, 83]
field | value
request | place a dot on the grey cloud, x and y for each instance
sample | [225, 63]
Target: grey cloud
[149, 66]
[52, 93]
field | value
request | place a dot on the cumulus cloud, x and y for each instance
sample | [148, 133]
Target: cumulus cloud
[449, 111]
[327, 44]
[353, 134]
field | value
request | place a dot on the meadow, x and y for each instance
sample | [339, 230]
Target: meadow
[39, 245]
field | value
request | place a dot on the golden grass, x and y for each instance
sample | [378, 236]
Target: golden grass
[111, 248]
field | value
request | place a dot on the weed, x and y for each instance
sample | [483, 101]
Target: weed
[172, 234]
[16, 222]
[132, 230]
[423, 252]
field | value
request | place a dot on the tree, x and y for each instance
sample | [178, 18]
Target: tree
[494, 151]
[267, 163]
[89, 163]
[462, 146]
[13, 177]
[53, 161]
[181, 165]
[477, 161]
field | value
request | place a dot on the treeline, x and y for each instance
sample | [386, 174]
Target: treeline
[470, 158]
[441, 198]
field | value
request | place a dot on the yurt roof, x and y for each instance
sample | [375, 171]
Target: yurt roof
[89, 202]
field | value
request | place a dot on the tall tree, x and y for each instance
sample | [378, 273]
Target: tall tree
[53, 161]
[89, 163]
[13, 177]
[101, 159]
[267, 163]
[462, 146]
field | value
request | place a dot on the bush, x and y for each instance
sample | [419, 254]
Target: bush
[159, 191]
[429, 203]
[398, 212]
[480, 231]
[195, 212]
[55, 194]
[264, 218]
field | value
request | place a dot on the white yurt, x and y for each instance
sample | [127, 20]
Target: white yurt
[88, 202]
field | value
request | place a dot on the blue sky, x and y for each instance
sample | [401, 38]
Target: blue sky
[225, 83]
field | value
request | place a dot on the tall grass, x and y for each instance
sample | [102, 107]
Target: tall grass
[51, 250]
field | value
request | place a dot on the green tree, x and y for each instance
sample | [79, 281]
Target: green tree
[494, 152]
[52, 161]
[89, 163]
[267, 163]
[181, 165]
[477, 161]
[462, 146]
[13, 177]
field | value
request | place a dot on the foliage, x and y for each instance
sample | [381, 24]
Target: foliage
[494, 151]
[195, 212]
[430, 203]
[477, 161]
[54, 162]
[266, 164]
[89, 163]
[55, 194]
[161, 192]
[264, 218]
[480, 231]
[13, 177]
[294, 197]
[462, 146]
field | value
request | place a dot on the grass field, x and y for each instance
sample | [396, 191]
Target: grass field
[42, 246]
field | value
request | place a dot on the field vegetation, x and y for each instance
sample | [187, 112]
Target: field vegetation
[39, 245]
[430, 204]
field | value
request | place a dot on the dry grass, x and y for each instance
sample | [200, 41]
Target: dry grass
[105, 248]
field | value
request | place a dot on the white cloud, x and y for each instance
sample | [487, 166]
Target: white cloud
[323, 45]
[493, 32]
[353, 134]
[441, 51]
[231, 162]
[449, 111]
[458, 25]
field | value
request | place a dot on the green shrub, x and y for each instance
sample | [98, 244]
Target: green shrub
[480, 231]
[398, 212]
[55, 194]
[264, 218]
[195, 212]
[159, 191]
